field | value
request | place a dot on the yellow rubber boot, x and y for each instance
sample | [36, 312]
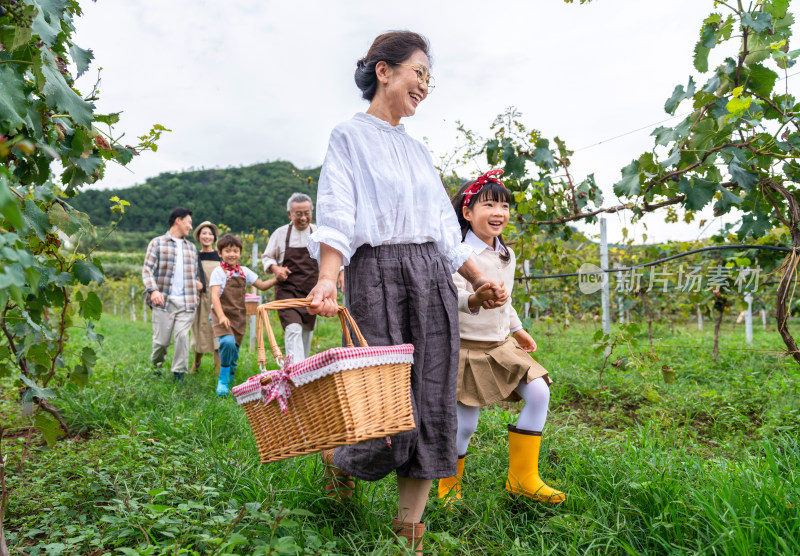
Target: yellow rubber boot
[523, 467]
[450, 487]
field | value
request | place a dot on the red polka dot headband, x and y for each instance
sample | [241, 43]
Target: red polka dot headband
[478, 184]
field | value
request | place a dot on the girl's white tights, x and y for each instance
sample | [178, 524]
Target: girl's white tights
[532, 417]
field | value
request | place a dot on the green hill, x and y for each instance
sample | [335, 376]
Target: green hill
[244, 199]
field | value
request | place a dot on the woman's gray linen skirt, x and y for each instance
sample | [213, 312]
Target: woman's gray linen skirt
[404, 294]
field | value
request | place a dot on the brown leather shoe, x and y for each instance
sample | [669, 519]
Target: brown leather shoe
[340, 485]
[410, 534]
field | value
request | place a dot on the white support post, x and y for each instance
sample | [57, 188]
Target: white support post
[133, 306]
[620, 303]
[253, 317]
[606, 299]
[764, 319]
[699, 318]
[748, 318]
[526, 269]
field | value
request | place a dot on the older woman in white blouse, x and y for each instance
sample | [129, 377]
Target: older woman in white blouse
[383, 213]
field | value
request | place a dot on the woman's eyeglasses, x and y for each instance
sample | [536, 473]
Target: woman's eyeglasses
[423, 75]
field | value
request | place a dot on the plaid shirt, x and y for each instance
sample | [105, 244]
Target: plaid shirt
[159, 264]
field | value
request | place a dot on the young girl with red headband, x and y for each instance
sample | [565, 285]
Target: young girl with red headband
[492, 366]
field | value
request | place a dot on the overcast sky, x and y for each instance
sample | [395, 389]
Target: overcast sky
[247, 81]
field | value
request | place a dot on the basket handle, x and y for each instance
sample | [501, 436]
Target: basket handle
[262, 322]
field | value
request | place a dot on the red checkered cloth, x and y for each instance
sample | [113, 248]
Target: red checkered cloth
[328, 362]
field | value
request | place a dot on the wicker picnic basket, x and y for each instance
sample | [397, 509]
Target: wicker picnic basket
[340, 396]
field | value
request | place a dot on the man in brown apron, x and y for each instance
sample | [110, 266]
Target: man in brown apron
[287, 257]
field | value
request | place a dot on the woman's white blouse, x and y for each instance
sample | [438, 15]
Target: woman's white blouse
[378, 186]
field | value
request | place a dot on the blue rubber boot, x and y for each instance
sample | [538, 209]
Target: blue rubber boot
[224, 381]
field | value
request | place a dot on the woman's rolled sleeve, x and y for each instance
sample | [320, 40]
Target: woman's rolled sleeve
[332, 237]
[336, 201]
[457, 255]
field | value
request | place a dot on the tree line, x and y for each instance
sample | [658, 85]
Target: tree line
[244, 199]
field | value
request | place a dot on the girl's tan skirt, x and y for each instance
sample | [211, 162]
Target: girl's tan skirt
[488, 372]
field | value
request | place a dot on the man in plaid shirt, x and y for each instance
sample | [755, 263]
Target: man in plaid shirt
[170, 275]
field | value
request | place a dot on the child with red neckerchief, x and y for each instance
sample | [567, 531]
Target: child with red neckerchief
[493, 367]
[228, 284]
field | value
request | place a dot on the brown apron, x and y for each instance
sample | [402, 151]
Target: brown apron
[232, 301]
[301, 280]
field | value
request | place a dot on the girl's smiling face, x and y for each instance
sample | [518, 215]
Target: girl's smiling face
[488, 218]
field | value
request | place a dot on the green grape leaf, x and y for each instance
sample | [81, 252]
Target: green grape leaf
[49, 427]
[678, 95]
[761, 80]
[38, 354]
[33, 277]
[708, 34]
[712, 84]
[515, 166]
[674, 158]
[704, 134]
[542, 155]
[726, 202]
[701, 57]
[81, 57]
[738, 105]
[37, 218]
[34, 391]
[86, 272]
[754, 224]
[47, 23]
[9, 205]
[720, 110]
[777, 8]
[88, 358]
[63, 220]
[12, 96]
[666, 135]
[90, 164]
[492, 151]
[92, 335]
[92, 307]
[746, 180]
[62, 96]
[124, 155]
[62, 279]
[108, 119]
[629, 185]
[12, 37]
[757, 21]
[698, 192]
[79, 375]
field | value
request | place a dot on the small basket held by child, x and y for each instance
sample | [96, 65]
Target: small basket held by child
[340, 396]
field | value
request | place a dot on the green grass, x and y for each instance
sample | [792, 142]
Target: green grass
[708, 464]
